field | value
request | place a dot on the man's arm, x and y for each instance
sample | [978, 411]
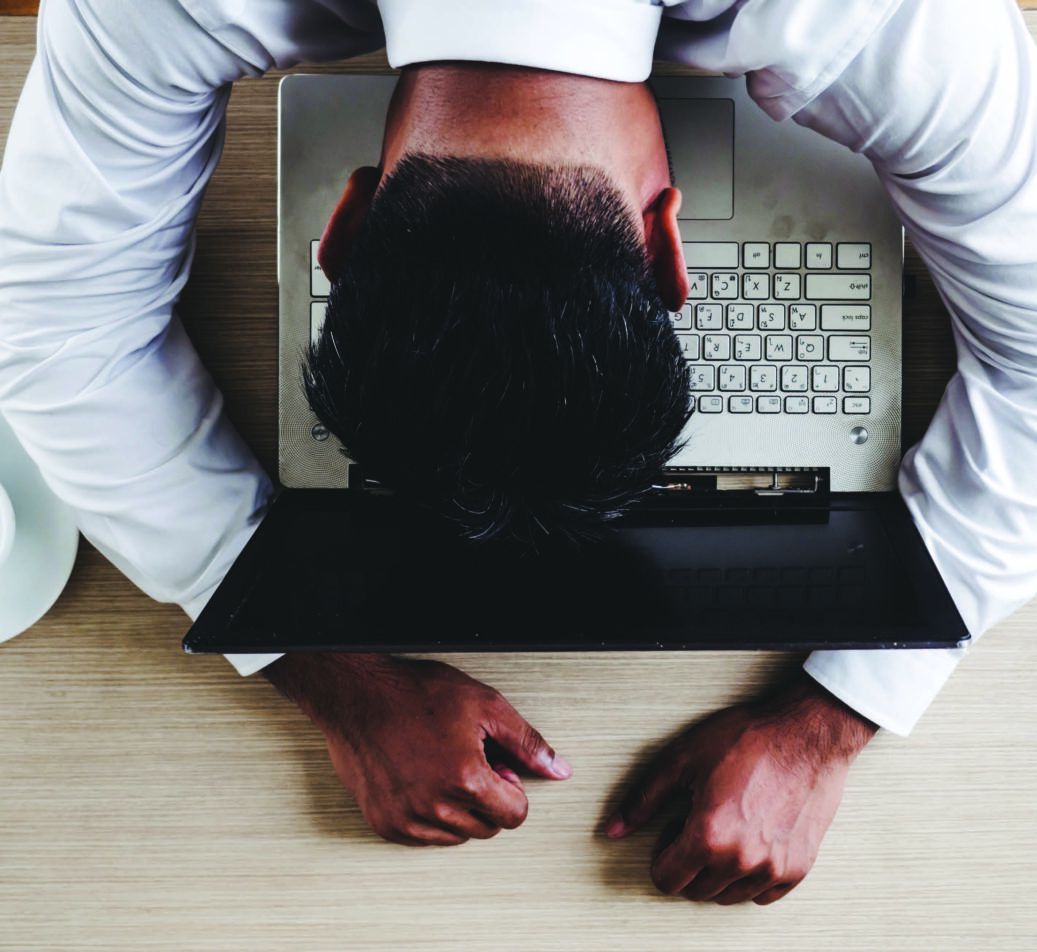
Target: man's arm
[117, 132]
[943, 100]
[764, 782]
[945, 106]
[940, 97]
[426, 750]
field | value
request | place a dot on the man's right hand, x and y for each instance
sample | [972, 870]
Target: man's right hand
[421, 745]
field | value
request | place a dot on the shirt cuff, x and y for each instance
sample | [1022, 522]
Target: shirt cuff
[245, 664]
[604, 39]
[892, 688]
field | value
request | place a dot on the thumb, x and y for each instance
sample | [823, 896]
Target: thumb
[645, 798]
[524, 742]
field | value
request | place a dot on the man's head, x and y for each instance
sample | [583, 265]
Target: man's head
[497, 344]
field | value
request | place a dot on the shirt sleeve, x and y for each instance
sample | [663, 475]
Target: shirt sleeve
[944, 103]
[942, 99]
[116, 134]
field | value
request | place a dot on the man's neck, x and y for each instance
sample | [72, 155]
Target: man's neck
[511, 112]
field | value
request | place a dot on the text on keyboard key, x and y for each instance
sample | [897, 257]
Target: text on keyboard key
[703, 377]
[319, 285]
[853, 255]
[838, 287]
[849, 348]
[857, 379]
[846, 317]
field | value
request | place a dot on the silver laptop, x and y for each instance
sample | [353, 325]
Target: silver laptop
[779, 525]
[792, 329]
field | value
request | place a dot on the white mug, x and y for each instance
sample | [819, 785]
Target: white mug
[6, 526]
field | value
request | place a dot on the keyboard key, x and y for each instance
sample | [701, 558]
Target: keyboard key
[740, 317]
[845, 317]
[772, 317]
[857, 379]
[711, 254]
[740, 404]
[732, 378]
[826, 379]
[838, 287]
[762, 377]
[709, 317]
[681, 320]
[756, 287]
[724, 285]
[716, 347]
[779, 347]
[317, 312]
[853, 256]
[698, 286]
[768, 404]
[787, 254]
[787, 286]
[748, 347]
[703, 377]
[794, 377]
[802, 317]
[849, 348]
[825, 404]
[319, 285]
[857, 405]
[711, 404]
[819, 255]
[757, 254]
[797, 404]
[810, 347]
[690, 345]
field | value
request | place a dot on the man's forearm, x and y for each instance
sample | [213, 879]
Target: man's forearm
[827, 730]
[331, 689]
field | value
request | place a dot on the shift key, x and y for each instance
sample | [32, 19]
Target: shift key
[838, 287]
[846, 317]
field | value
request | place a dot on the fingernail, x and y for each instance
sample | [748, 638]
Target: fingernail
[506, 772]
[559, 766]
[615, 826]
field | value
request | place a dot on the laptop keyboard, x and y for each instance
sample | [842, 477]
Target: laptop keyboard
[778, 328]
[767, 328]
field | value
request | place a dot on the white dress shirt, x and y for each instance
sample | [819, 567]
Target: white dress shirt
[121, 124]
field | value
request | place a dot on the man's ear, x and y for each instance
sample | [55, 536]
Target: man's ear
[665, 251]
[341, 232]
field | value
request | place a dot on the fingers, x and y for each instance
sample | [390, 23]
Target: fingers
[724, 876]
[445, 826]
[525, 743]
[421, 834]
[775, 893]
[646, 797]
[678, 864]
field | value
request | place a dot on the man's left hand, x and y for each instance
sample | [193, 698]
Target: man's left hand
[765, 781]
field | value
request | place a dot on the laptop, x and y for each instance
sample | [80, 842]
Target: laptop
[778, 525]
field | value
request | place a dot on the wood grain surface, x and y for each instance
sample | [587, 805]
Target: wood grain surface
[154, 801]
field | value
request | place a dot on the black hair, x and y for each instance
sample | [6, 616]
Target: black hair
[495, 348]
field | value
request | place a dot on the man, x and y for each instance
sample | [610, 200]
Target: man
[116, 135]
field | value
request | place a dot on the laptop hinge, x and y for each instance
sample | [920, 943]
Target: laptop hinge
[746, 480]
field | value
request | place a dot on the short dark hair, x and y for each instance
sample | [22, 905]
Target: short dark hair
[495, 348]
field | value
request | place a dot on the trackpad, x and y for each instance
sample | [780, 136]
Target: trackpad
[700, 134]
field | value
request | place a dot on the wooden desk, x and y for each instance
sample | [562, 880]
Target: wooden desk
[149, 800]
